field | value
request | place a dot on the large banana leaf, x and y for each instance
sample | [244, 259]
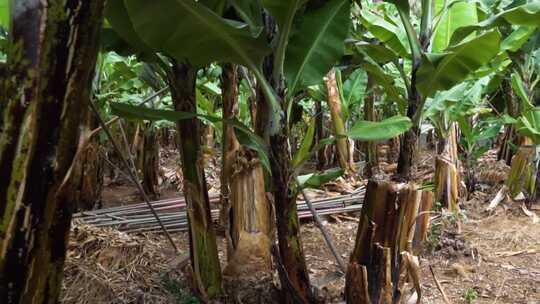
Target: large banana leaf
[529, 125]
[185, 29]
[354, 88]
[303, 154]
[244, 135]
[457, 63]
[378, 52]
[317, 45]
[251, 12]
[527, 15]
[384, 31]
[458, 15]
[117, 15]
[519, 89]
[282, 10]
[380, 130]
[517, 38]
[4, 14]
[385, 81]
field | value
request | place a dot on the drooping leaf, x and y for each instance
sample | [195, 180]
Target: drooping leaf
[519, 88]
[384, 31]
[244, 135]
[457, 63]
[380, 130]
[282, 10]
[386, 81]
[529, 125]
[315, 180]
[458, 15]
[517, 38]
[402, 5]
[378, 52]
[251, 12]
[303, 152]
[217, 6]
[317, 45]
[185, 29]
[117, 15]
[526, 15]
[354, 88]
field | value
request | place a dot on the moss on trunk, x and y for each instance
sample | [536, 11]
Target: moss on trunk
[203, 246]
[52, 72]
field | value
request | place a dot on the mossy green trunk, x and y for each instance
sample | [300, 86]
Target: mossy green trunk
[203, 246]
[46, 86]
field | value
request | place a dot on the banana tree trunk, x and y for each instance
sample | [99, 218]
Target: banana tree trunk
[88, 171]
[203, 246]
[409, 140]
[523, 171]
[319, 134]
[446, 177]
[47, 86]
[386, 234]
[150, 172]
[288, 225]
[334, 104]
[372, 159]
[510, 138]
[245, 209]
[294, 276]
[146, 151]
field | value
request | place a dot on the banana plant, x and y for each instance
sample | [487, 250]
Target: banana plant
[308, 42]
[446, 49]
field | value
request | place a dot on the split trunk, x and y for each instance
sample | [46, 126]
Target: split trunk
[245, 209]
[344, 154]
[446, 177]
[392, 226]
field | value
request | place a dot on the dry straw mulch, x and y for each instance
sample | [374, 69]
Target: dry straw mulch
[108, 266]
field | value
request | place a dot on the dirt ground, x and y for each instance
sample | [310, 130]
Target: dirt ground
[484, 257]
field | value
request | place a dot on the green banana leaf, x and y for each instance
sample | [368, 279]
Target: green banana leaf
[185, 29]
[244, 135]
[4, 14]
[315, 180]
[519, 88]
[317, 45]
[378, 52]
[283, 11]
[386, 81]
[385, 32]
[303, 152]
[529, 125]
[380, 130]
[517, 38]
[251, 12]
[458, 15]
[445, 71]
[526, 14]
[117, 16]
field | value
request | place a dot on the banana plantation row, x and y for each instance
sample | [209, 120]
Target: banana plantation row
[260, 78]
